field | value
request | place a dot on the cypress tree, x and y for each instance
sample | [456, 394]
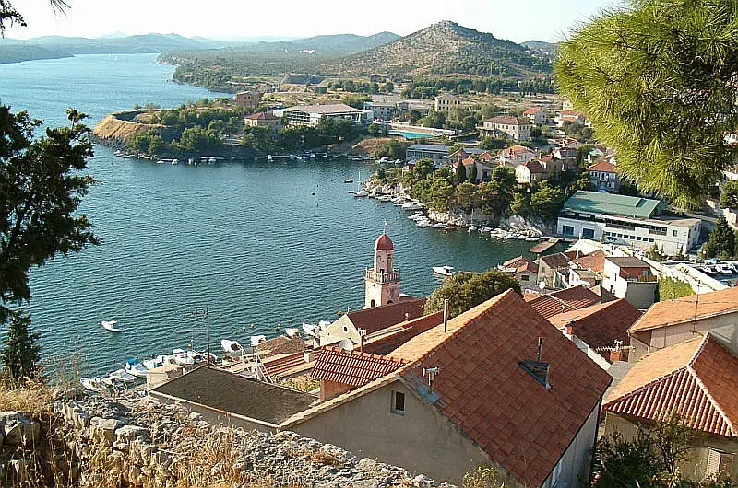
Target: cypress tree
[21, 353]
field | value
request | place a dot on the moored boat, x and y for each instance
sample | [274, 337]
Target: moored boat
[109, 325]
[443, 270]
[135, 368]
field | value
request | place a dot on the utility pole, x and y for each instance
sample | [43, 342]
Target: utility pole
[204, 312]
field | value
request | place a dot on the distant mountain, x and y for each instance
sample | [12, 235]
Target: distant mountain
[443, 48]
[49, 47]
[329, 44]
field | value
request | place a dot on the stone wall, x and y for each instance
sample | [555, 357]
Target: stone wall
[96, 442]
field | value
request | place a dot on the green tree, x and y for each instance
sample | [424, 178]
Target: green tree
[729, 194]
[657, 80]
[521, 203]
[21, 351]
[41, 187]
[466, 290]
[546, 201]
[722, 241]
[423, 168]
[466, 196]
[473, 174]
[583, 182]
[490, 143]
[460, 172]
[670, 288]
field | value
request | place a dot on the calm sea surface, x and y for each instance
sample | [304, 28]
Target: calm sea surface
[263, 243]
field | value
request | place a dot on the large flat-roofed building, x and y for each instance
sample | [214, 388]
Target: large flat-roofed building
[312, 114]
[437, 152]
[632, 221]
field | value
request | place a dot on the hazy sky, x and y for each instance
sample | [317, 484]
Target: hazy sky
[516, 20]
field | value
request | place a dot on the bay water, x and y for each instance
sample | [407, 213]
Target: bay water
[264, 245]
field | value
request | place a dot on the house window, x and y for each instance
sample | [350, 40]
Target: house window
[398, 402]
[719, 462]
[568, 230]
[524, 277]
[588, 233]
[673, 233]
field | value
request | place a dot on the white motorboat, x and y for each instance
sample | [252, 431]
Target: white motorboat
[411, 206]
[181, 357]
[361, 193]
[423, 223]
[211, 160]
[122, 375]
[175, 161]
[135, 368]
[232, 347]
[443, 270]
[472, 227]
[439, 225]
[109, 325]
[96, 384]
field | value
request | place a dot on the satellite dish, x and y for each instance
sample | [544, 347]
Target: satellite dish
[346, 345]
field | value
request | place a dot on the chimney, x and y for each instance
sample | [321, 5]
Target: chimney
[616, 354]
[570, 328]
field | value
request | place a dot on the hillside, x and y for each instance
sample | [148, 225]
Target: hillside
[443, 48]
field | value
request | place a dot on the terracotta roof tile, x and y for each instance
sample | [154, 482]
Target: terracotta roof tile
[684, 309]
[602, 324]
[534, 166]
[594, 261]
[605, 166]
[378, 318]
[352, 367]
[556, 260]
[387, 343]
[561, 301]
[697, 378]
[502, 408]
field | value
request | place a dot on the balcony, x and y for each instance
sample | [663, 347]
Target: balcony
[382, 278]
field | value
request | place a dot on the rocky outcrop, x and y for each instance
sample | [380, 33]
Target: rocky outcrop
[94, 441]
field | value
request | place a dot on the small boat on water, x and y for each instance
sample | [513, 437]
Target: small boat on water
[181, 357]
[211, 160]
[109, 325]
[135, 368]
[439, 225]
[122, 375]
[444, 270]
[361, 193]
[175, 161]
[96, 384]
[348, 180]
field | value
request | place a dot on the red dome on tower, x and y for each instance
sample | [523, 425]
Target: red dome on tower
[383, 243]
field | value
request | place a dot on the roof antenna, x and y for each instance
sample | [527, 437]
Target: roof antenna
[431, 373]
[540, 349]
[385, 226]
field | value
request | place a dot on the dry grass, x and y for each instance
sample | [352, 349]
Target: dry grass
[34, 397]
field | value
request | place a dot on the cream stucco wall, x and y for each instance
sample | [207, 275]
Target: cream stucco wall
[423, 441]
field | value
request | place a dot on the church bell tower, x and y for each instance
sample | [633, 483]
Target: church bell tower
[382, 282]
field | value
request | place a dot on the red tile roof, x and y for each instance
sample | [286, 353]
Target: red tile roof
[387, 343]
[378, 318]
[486, 156]
[684, 309]
[517, 149]
[509, 120]
[532, 111]
[534, 166]
[697, 378]
[561, 301]
[521, 264]
[594, 261]
[602, 166]
[468, 161]
[481, 387]
[557, 260]
[602, 324]
[352, 367]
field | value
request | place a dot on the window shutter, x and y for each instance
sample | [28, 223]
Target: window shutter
[719, 462]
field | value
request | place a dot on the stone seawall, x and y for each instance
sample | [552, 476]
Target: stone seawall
[96, 442]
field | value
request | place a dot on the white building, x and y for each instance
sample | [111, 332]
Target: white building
[632, 221]
[514, 127]
[310, 115]
[446, 102]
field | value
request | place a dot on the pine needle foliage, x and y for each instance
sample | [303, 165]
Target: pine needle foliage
[658, 80]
